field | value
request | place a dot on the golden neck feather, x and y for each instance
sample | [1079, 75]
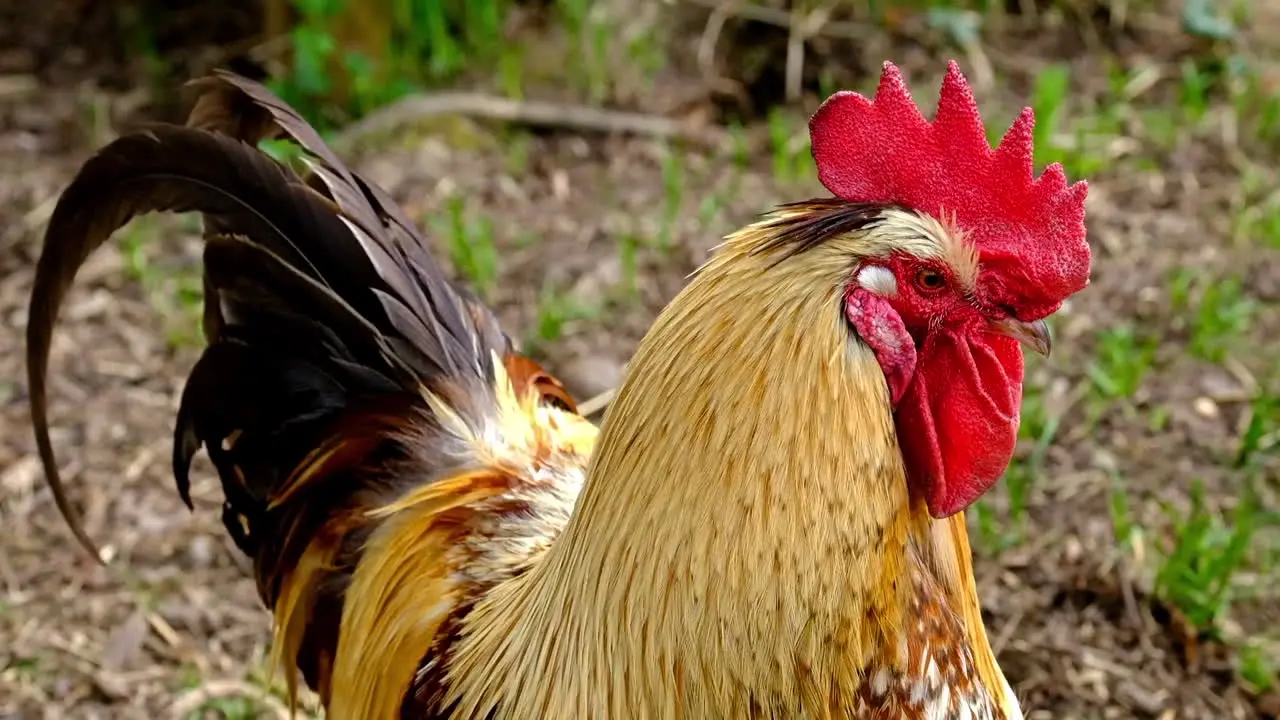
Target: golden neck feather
[742, 539]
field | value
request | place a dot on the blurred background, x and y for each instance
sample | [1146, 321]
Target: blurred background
[573, 160]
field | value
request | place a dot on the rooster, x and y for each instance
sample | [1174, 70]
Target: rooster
[770, 521]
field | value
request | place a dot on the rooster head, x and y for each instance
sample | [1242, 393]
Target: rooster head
[961, 254]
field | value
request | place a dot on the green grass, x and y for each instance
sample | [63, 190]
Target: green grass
[1039, 427]
[420, 44]
[1256, 105]
[228, 708]
[1218, 310]
[1256, 221]
[1207, 558]
[556, 311]
[1078, 134]
[1201, 560]
[789, 144]
[1261, 436]
[470, 242]
[177, 294]
[1118, 508]
[1122, 359]
[591, 40]
[673, 196]
[1221, 319]
[1259, 669]
[338, 74]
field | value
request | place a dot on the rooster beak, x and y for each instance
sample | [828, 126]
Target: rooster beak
[1034, 335]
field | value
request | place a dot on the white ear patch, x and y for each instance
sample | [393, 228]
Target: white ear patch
[878, 280]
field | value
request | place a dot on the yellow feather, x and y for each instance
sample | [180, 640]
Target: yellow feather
[401, 592]
[298, 592]
[658, 602]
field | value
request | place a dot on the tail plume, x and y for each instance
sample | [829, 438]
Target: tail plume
[327, 322]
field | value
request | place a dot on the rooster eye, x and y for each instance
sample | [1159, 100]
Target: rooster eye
[929, 280]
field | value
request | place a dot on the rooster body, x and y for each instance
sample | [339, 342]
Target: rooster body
[782, 607]
[767, 524]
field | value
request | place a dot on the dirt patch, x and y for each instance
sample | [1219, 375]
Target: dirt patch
[592, 236]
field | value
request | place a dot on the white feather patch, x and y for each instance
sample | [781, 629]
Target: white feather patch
[878, 280]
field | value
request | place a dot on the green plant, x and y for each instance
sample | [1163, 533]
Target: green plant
[1262, 433]
[175, 293]
[591, 43]
[1081, 145]
[1256, 104]
[349, 58]
[1048, 98]
[673, 186]
[471, 245]
[556, 309]
[228, 708]
[1037, 423]
[1122, 523]
[789, 142]
[629, 258]
[993, 535]
[1121, 361]
[1257, 217]
[1195, 91]
[1258, 668]
[1223, 314]
[1201, 560]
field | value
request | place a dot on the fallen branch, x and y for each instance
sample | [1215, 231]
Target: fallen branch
[536, 113]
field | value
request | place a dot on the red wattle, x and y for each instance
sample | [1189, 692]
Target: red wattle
[958, 423]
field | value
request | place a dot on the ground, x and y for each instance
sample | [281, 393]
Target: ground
[1128, 565]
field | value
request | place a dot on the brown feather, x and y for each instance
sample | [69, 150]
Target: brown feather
[527, 373]
[161, 169]
[343, 378]
[420, 298]
[398, 600]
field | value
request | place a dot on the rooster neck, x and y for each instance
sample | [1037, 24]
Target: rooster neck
[744, 545]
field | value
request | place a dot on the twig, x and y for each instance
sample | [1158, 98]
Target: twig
[1130, 598]
[597, 403]
[707, 44]
[32, 219]
[16, 86]
[984, 77]
[193, 699]
[796, 38]
[805, 27]
[162, 628]
[1006, 632]
[781, 18]
[801, 28]
[416, 108]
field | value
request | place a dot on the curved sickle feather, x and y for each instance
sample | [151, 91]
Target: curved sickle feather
[164, 168]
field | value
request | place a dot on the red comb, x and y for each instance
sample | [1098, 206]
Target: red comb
[1029, 230]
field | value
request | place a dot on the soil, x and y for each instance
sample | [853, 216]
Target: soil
[173, 626]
